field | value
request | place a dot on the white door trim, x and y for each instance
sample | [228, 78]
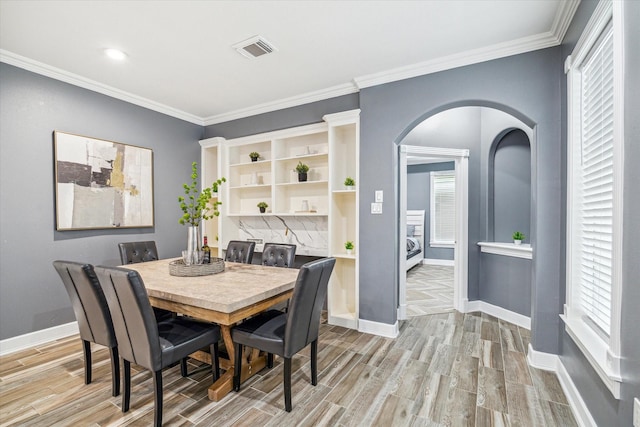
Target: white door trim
[461, 248]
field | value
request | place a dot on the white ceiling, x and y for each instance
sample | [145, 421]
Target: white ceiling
[181, 61]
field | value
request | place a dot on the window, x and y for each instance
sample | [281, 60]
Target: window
[594, 208]
[443, 209]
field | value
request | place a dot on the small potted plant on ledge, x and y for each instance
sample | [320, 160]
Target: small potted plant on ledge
[348, 245]
[263, 207]
[518, 237]
[302, 170]
[254, 156]
[349, 183]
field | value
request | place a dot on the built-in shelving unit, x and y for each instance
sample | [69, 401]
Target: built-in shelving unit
[318, 215]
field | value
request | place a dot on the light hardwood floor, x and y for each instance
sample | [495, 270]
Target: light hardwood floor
[447, 369]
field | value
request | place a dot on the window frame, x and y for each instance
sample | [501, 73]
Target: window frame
[433, 241]
[602, 352]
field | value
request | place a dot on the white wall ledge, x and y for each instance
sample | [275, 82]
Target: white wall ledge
[507, 249]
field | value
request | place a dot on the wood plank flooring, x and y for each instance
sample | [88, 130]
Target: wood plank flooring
[447, 369]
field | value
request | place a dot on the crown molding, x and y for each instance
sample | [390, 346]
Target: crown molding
[76, 80]
[564, 15]
[306, 98]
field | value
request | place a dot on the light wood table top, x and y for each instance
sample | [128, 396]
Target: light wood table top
[226, 298]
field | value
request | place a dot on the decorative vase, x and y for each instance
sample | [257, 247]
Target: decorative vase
[517, 242]
[263, 210]
[302, 176]
[349, 251]
[254, 159]
[193, 242]
[349, 187]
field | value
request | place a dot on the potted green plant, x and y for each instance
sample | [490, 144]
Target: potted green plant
[349, 183]
[348, 245]
[263, 207]
[302, 170]
[518, 237]
[197, 206]
[254, 156]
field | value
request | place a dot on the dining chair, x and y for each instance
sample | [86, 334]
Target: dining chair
[92, 314]
[278, 255]
[135, 252]
[285, 334]
[240, 251]
[147, 343]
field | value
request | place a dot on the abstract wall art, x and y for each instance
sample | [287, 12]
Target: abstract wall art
[102, 184]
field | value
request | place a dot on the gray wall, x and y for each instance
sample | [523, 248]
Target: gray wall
[506, 282]
[419, 198]
[525, 86]
[511, 192]
[606, 410]
[31, 108]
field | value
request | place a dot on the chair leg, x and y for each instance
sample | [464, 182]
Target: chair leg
[215, 365]
[126, 380]
[314, 362]
[237, 369]
[157, 382]
[183, 367]
[86, 346]
[115, 372]
[269, 360]
[287, 384]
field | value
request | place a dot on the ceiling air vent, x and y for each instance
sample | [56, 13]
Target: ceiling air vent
[254, 47]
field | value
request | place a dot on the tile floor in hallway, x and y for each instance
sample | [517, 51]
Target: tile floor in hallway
[429, 289]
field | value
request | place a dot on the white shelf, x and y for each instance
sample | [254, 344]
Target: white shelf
[292, 184]
[248, 186]
[250, 163]
[331, 151]
[507, 249]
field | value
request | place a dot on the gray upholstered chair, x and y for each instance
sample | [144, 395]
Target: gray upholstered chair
[240, 251]
[134, 252]
[285, 334]
[278, 255]
[92, 313]
[145, 342]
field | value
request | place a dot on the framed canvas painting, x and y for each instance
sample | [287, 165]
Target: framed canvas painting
[102, 184]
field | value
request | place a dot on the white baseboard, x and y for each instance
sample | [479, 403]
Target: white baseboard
[22, 342]
[433, 261]
[580, 410]
[499, 312]
[377, 328]
[541, 360]
[552, 362]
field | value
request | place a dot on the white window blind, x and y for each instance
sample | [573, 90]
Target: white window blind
[443, 205]
[594, 236]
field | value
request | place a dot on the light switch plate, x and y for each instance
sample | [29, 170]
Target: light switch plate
[378, 196]
[376, 208]
[636, 412]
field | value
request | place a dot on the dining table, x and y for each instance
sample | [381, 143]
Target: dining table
[225, 298]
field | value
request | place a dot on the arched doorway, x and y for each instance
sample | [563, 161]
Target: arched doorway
[466, 135]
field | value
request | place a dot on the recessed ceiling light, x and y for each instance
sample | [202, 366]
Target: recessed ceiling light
[116, 54]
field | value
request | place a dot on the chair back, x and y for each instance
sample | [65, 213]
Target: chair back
[133, 319]
[88, 302]
[135, 252]
[240, 251]
[278, 255]
[305, 307]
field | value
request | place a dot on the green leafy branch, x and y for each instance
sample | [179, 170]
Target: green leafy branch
[197, 207]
